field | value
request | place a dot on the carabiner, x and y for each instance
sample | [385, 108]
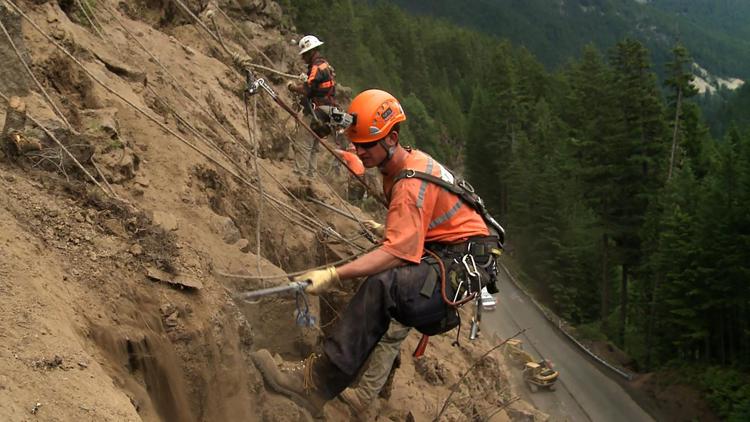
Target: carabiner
[471, 269]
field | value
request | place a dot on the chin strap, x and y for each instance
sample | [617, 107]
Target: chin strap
[389, 151]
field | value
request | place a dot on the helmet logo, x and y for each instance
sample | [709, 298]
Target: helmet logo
[387, 113]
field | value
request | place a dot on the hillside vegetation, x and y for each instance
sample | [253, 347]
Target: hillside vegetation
[716, 32]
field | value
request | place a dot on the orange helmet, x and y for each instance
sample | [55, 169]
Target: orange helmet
[377, 111]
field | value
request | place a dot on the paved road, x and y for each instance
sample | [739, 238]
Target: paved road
[583, 392]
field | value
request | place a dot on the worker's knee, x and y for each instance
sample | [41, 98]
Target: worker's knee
[396, 333]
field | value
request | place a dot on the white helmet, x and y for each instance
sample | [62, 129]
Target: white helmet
[308, 42]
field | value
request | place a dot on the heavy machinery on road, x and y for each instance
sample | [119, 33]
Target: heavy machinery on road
[540, 375]
[536, 374]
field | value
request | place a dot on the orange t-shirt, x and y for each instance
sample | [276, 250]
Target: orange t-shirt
[420, 211]
[352, 161]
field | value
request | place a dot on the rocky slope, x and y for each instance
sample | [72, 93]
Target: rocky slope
[116, 297]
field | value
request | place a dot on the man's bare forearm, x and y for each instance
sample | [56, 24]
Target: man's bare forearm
[369, 264]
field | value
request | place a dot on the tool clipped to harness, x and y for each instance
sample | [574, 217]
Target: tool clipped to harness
[476, 319]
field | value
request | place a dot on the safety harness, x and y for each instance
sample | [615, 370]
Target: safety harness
[465, 192]
[321, 82]
[467, 276]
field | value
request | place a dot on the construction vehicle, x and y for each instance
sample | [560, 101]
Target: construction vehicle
[540, 375]
[536, 374]
[514, 350]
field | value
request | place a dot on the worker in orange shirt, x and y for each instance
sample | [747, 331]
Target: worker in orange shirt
[403, 283]
[318, 92]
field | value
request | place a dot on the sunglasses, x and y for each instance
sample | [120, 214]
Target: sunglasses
[366, 145]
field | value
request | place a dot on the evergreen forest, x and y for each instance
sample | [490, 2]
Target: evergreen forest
[717, 32]
[628, 214]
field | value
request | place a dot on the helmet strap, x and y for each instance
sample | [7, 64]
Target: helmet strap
[389, 152]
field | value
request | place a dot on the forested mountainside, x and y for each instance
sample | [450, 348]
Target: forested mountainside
[716, 32]
[630, 217]
[727, 109]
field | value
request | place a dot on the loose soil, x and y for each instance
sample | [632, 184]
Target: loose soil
[85, 334]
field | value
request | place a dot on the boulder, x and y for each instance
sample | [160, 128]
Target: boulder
[118, 161]
[225, 228]
[166, 221]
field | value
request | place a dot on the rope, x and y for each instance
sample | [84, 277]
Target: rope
[91, 22]
[93, 15]
[283, 105]
[320, 224]
[187, 124]
[251, 131]
[311, 219]
[148, 116]
[287, 276]
[253, 65]
[240, 60]
[36, 81]
[242, 63]
[57, 141]
[338, 315]
[104, 179]
[177, 83]
[196, 19]
[242, 33]
[283, 207]
[308, 377]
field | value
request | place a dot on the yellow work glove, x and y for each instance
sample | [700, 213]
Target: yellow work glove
[302, 77]
[375, 227]
[320, 280]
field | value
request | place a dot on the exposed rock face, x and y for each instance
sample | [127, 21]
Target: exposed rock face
[115, 155]
[267, 13]
[12, 81]
[75, 261]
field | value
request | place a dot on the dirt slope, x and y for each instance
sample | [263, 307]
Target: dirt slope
[86, 335]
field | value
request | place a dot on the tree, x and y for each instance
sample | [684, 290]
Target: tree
[679, 81]
[595, 123]
[639, 163]
[492, 129]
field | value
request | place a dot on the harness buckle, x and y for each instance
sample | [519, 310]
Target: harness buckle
[409, 173]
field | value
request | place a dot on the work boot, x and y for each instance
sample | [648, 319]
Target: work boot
[298, 383]
[351, 397]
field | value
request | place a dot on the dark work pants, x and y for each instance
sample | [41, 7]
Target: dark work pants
[394, 293]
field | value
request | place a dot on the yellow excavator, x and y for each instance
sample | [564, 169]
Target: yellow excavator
[536, 374]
